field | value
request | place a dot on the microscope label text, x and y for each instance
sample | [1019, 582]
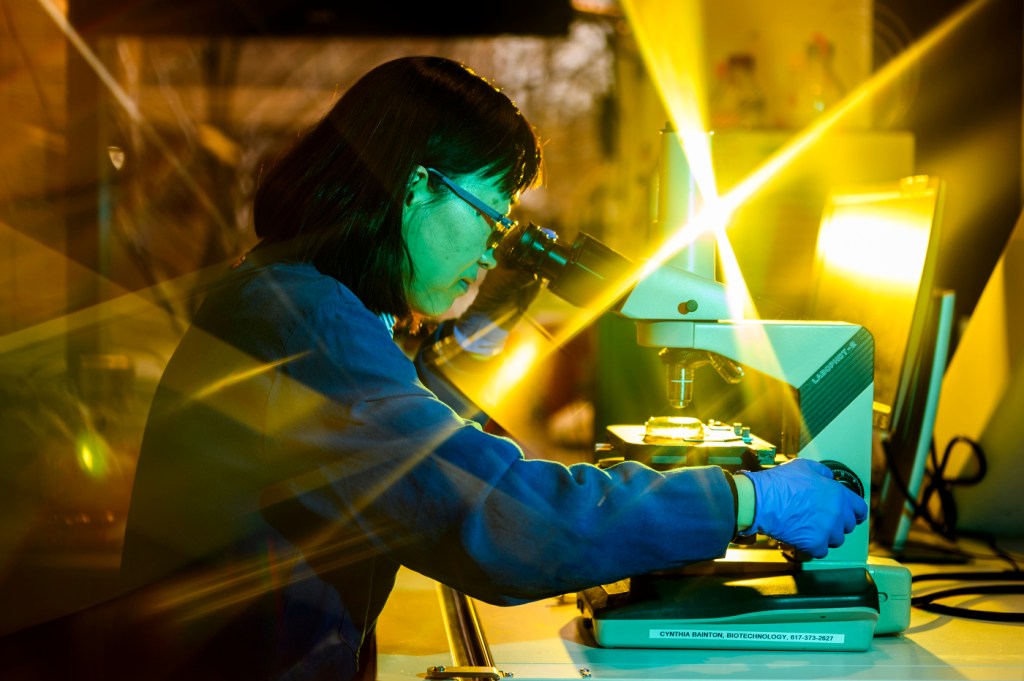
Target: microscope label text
[831, 364]
[767, 636]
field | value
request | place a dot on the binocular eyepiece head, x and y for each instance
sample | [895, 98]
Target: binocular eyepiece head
[579, 273]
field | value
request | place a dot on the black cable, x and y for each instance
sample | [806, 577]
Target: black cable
[938, 484]
[977, 576]
[919, 509]
[942, 487]
[927, 601]
[961, 553]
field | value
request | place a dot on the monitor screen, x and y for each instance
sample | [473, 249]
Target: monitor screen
[875, 266]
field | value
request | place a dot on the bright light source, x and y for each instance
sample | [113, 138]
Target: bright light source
[93, 454]
[513, 369]
[876, 248]
[85, 457]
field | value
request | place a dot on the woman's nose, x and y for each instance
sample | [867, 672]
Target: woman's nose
[487, 260]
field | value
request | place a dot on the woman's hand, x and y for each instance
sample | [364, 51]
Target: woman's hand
[503, 297]
[799, 503]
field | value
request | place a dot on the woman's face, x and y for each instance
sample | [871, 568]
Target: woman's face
[447, 239]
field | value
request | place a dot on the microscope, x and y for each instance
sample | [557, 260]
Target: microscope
[767, 596]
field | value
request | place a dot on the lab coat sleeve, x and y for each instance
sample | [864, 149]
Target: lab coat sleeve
[435, 380]
[379, 464]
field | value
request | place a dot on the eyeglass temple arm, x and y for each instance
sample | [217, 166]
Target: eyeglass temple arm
[504, 220]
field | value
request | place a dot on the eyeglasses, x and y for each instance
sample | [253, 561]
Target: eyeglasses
[501, 223]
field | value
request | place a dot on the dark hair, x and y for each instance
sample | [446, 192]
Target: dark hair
[335, 198]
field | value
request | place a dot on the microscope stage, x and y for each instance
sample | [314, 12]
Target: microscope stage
[716, 444]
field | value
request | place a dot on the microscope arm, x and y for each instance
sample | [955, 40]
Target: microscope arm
[669, 293]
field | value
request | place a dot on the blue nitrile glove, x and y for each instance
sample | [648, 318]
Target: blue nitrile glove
[503, 296]
[799, 503]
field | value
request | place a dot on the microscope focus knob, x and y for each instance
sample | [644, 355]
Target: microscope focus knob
[841, 473]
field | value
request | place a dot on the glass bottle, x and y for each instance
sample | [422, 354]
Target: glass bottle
[737, 100]
[820, 86]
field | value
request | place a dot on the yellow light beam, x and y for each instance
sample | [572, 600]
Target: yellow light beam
[121, 305]
[243, 374]
[651, 17]
[131, 108]
[713, 211]
[802, 141]
[671, 38]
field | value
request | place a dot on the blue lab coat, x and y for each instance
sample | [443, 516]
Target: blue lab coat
[293, 460]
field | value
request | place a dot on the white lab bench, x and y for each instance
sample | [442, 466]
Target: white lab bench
[544, 640]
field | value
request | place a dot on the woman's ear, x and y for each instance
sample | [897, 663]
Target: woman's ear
[416, 189]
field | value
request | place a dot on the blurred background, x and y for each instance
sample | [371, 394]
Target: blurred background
[136, 132]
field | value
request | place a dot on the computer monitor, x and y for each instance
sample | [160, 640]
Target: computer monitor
[875, 266]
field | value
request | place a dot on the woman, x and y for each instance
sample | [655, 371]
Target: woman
[294, 459]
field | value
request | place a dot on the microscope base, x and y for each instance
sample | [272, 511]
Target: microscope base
[827, 609]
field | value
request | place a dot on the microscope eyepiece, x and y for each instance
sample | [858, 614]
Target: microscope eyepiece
[579, 274]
